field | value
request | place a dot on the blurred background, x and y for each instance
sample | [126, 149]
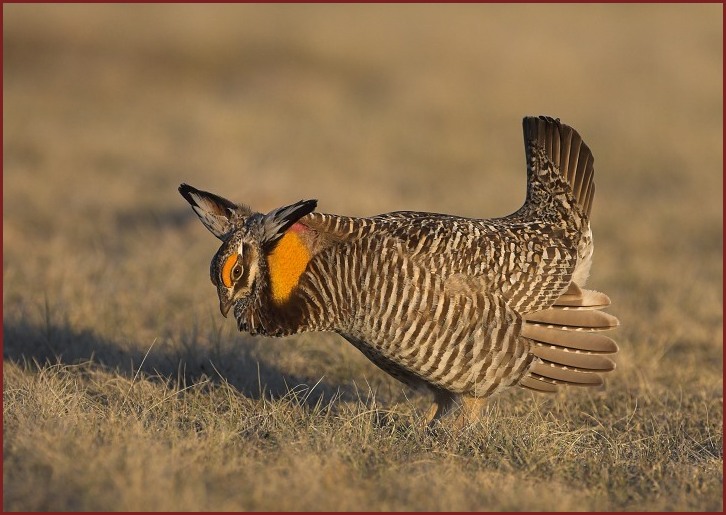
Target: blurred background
[369, 109]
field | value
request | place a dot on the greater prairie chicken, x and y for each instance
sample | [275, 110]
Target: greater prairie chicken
[464, 307]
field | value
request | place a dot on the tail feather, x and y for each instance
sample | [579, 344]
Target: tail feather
[585, 341]
[587, 319]
[583, 176]
[574, 359]
[588, 201]
[535, 383]
[570, 153]
[560, 374]
[567, 341]
[549, 142]
[574, 297]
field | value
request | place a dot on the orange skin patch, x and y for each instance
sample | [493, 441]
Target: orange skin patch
[227, 270]
[287, 263]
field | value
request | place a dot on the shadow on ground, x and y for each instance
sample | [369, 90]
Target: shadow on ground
[184, 363]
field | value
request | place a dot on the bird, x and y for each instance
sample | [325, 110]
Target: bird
[463, 308]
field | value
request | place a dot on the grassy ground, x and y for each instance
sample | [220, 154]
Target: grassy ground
[123, 387]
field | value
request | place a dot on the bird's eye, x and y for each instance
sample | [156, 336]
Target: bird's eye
[231, 270]
[236, 273]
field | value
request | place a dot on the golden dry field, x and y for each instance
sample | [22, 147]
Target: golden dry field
[125, 389]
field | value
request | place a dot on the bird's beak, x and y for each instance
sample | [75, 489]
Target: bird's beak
[224, 306]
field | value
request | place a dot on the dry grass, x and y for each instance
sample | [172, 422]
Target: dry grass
[124, 389]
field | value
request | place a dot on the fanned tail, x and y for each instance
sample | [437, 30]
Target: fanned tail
[567, 338]
[548, 142]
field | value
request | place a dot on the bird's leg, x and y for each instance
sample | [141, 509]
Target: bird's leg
[443, 402]
[471, 408]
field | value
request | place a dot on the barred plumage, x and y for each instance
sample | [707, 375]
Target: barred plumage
[465, 307]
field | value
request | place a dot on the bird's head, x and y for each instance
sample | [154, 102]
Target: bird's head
[247, 238]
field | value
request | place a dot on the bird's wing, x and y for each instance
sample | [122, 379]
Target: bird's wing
[525, 264]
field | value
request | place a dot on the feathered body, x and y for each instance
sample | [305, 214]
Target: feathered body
[465, 307]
